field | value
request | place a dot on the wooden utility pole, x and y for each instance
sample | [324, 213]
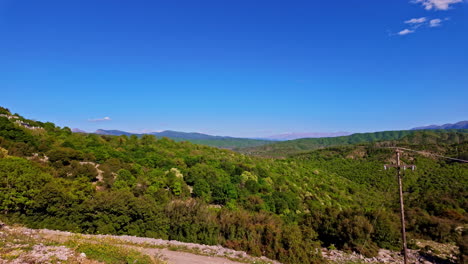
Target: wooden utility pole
[398, 166]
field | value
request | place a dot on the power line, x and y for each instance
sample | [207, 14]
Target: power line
[398, 166]
[428, 153]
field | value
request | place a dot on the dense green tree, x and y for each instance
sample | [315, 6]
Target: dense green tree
[202, 189]
[125, 180]
[281, 208]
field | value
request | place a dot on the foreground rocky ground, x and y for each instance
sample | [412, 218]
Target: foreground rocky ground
[387, 256]
[24, 245]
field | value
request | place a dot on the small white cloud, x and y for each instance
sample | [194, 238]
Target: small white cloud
[437, 4]
[405, 32]
[435, 22]
[416, 20]
[100, 119]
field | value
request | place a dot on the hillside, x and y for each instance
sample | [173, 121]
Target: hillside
[292, 136]
[285, 148]
[284, 209]
[197, 138]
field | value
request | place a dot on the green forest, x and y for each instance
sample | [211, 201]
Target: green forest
[227, 143]
[197, 138]
[290, 147]
[335, 195]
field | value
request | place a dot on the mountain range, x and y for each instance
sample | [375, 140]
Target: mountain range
[236, 142]
[194, 137]
[458, 125]
[165, 133]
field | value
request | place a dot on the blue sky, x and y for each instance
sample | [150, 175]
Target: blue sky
[238, 68]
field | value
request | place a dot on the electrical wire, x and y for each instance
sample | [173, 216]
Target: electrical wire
[428, 153]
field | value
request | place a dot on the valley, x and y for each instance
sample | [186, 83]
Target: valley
[336, 195]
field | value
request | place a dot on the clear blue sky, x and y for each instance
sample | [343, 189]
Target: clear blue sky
[238, 68]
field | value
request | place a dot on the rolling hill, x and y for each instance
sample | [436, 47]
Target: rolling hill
[197, 138]
[285, 148]
[285, 209]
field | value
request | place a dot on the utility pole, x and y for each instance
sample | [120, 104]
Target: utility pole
[398, 166]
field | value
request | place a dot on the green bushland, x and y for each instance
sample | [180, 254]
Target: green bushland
[227, 143]
[297, 146]
[284, 209]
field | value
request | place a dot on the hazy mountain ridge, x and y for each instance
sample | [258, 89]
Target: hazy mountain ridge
[278, 137]
[198, 135]
[458, 125]
[114, 132]
[165, 133]
[194, 137]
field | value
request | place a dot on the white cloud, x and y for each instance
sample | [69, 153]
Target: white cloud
[405, 32]
[437, 4]
[416, 20]
[100, 119]
[435, 22]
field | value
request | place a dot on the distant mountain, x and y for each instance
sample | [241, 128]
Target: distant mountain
[197, 138]
[186, 135]
[165, 133]
[200, 136]
[77, 130]
[291, 136]
[114, 132]
[459, 125]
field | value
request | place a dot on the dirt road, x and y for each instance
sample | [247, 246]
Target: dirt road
[174, 252]
[175, 257]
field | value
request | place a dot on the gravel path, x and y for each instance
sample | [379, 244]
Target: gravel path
[175, 257]
[151, 246]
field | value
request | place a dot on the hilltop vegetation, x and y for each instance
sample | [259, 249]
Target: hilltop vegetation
[197, 138]
[285, 148]
[281, 208]
[227, 143]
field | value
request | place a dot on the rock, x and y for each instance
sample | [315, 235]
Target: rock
[82, 255]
